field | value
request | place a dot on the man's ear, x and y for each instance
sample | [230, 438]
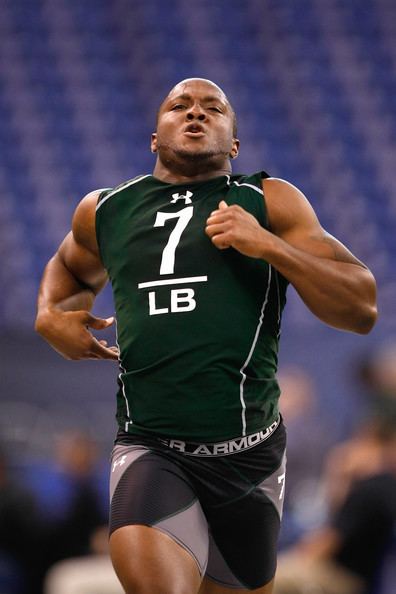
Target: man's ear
[154, 142]
[235, 149]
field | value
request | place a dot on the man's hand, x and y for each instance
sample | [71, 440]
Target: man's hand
[68, 333]
[71, 280]
[232, 226]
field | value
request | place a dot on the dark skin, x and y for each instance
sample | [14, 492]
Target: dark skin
[195, 140]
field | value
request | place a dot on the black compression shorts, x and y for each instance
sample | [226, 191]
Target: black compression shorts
[224, 509]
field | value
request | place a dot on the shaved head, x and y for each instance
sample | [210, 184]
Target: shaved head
[183, 83]
[181, 86]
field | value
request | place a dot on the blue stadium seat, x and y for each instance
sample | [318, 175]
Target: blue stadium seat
[274, 60]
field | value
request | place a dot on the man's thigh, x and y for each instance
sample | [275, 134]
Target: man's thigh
[147, 560]
[243, 510]
[152, 493]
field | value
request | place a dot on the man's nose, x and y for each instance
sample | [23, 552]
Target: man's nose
[196, 111]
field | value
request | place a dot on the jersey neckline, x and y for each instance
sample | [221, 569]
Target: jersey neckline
[193, 183]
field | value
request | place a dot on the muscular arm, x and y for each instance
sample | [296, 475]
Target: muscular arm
[335, 286]
[70, 283]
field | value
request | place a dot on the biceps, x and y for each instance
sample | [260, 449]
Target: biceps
[293, 219]
[321, 244]
[84, 265]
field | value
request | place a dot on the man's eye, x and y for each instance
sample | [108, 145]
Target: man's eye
[215, 109]
[178, 106]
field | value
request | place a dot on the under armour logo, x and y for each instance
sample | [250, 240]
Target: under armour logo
[186, 197]
[119, 462]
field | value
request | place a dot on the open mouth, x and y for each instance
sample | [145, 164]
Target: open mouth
[194, 130]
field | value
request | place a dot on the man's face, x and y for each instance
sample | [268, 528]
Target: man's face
[195, 123]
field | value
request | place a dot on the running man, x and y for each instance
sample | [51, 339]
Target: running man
[199, 260]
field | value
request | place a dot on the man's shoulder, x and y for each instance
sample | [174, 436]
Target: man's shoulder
[107, 193]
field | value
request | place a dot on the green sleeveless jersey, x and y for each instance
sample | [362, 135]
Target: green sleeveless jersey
[197, 327]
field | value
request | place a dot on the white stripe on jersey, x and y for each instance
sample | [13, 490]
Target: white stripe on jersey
[241, 371]
[123, 370]
[131, 183]
[229, 182]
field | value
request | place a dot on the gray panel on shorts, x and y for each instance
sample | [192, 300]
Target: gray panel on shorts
[274, 486]
[189, 528]
[122, 457]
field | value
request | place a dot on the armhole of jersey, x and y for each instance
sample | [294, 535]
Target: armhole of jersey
[281, 280]
[103, 193]
[257, 180]
[98, 214]
[264, 175]
[263, 204]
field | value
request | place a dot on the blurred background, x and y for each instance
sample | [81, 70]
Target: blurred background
[313, 83]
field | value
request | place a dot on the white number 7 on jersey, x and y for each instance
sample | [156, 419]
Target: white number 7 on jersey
[168, 254]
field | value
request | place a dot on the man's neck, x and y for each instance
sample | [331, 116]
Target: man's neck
[188, 174]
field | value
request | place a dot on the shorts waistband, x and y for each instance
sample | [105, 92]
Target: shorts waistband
[222, 448]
